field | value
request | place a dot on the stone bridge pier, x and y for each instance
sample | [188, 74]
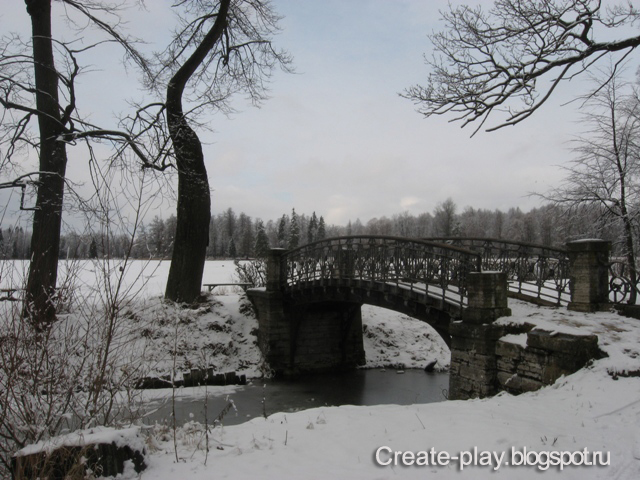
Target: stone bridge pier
[473, 338]
[484, 363]
[298, 337]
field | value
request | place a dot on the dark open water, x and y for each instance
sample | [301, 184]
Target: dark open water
[359, 387]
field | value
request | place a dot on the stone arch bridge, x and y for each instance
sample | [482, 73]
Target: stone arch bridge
[309, 312]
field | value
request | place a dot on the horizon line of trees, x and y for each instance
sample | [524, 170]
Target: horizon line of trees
[233, 235]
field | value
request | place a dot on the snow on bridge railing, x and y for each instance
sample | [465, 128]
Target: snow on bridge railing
[533, 271]
[431, 268]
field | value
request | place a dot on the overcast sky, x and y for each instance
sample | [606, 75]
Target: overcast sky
[336, 138]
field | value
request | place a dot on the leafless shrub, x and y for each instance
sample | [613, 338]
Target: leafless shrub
[253, 272]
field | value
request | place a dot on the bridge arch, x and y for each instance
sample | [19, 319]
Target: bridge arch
[436, 314]
[422, 279]
[309, 313]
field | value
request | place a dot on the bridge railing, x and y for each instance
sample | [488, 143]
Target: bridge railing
[435, 269]
[622, 287]
[533, 271]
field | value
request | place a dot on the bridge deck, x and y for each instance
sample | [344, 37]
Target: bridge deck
[369, 291]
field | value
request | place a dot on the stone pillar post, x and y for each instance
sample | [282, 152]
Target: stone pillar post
[274, 326]
[589, 275]
[487, 293]
[473, 371]
[346, 263]
[275, 270]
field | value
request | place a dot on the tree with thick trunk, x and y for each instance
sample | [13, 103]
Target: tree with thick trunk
[47, 216]
[194, 200]
[33, 87]
[229, 52]
[221, 48]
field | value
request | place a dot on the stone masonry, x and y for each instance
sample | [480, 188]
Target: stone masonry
[483, 362]
[297, 338]
[589, 275]
[545, 358]
[473, 339]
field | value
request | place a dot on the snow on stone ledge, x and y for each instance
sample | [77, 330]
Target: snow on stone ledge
[516, 339]
[92, 436]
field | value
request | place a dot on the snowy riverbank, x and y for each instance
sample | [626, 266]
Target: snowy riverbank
[596, 410]
[592, 410]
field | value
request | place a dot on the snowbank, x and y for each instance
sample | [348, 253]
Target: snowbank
[590, 412]
[594, 410]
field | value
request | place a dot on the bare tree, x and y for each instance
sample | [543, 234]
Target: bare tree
[512, 58]
[223, 47]
[445, 219]
[605, 173]
[37, 82]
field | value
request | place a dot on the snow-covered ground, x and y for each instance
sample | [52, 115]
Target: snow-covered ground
[588, 412]
[594, 410]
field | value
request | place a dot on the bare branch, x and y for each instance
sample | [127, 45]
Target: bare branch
[502, 60]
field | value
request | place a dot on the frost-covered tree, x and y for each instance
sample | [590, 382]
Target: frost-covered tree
[157, 236]
[511, 57]
[262, 241]
[444, 220]
[294, 231]
[605, 172]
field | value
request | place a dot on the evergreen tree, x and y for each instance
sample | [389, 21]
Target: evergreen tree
[282, 231]
[322, 233]
[246, 239]
[313, 228]
[232, 251]
[294, 231]
[231, 221]
[261, 247]
[93, 249]
[140, 247]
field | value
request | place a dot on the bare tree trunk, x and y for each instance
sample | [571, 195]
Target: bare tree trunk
[628, 231]
[194, 213]
[47, 217]
[631, 260]
[194, 201]
[621, 164]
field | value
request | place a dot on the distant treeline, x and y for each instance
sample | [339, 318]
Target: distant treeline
[234, 235]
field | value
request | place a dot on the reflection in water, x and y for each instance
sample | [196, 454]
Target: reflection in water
[359, 387]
